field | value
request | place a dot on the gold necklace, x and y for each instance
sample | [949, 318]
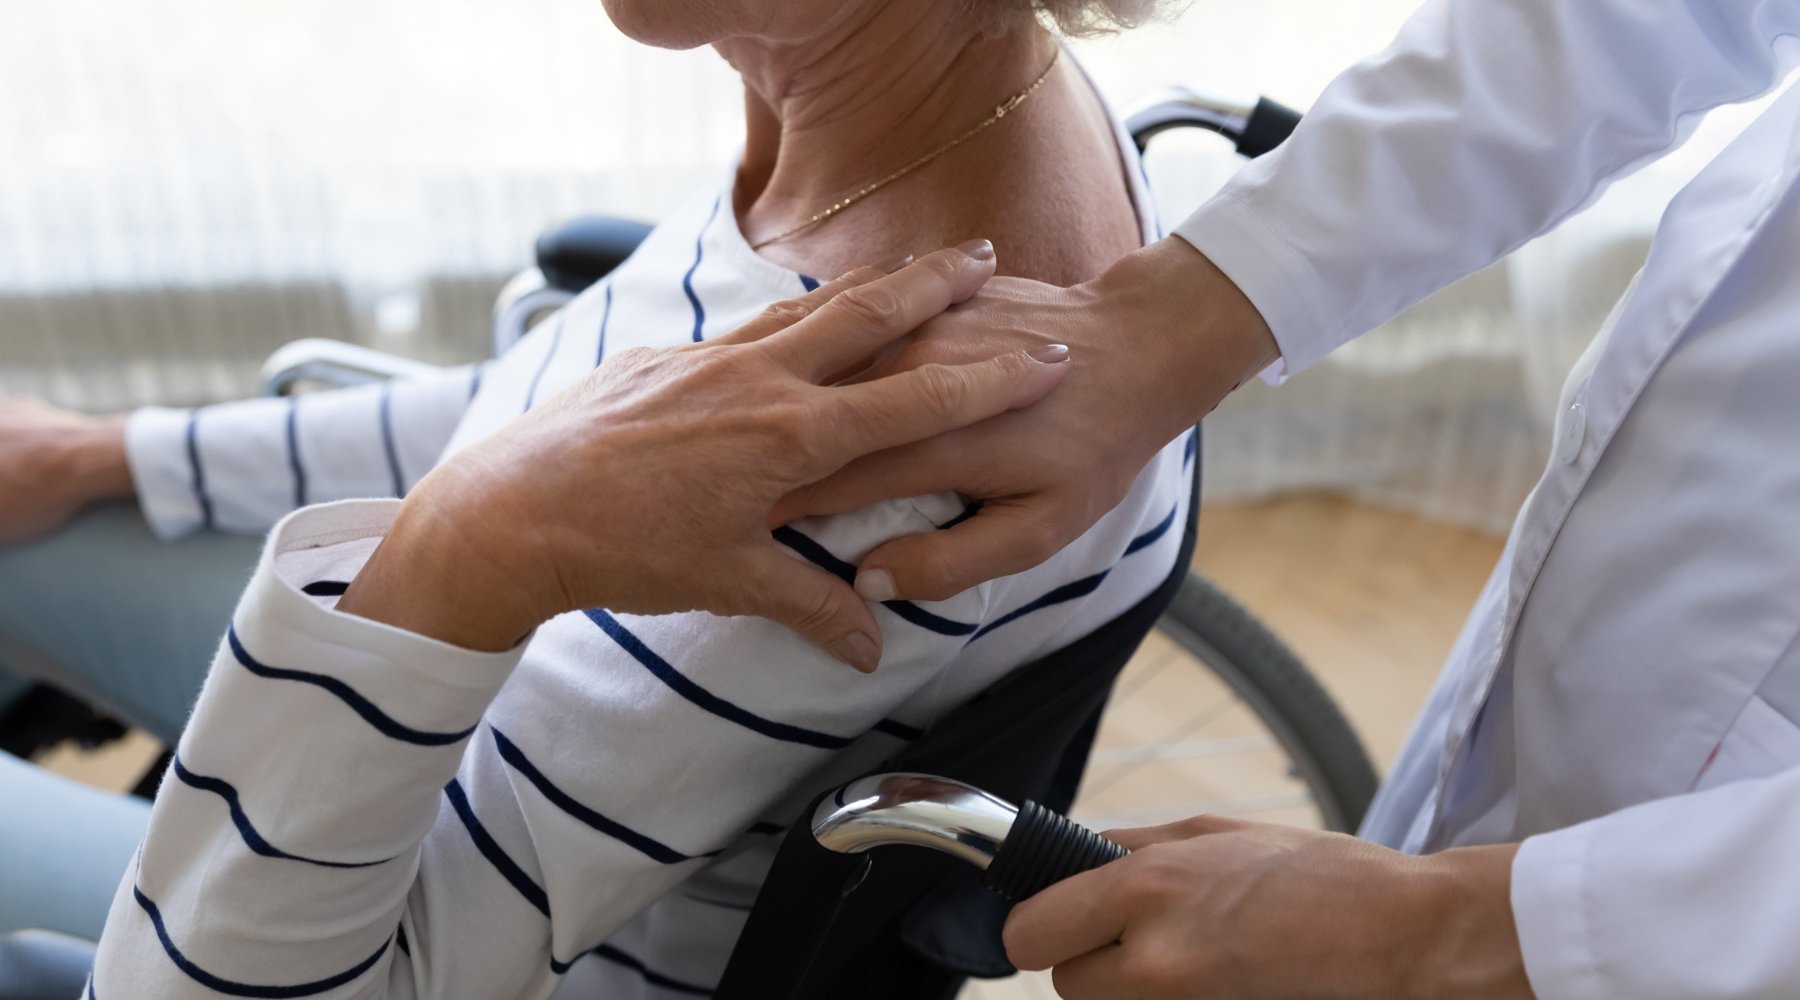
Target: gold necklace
[1000, 112]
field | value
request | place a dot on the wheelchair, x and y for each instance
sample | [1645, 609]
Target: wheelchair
[1265, 740]
[1256, 674]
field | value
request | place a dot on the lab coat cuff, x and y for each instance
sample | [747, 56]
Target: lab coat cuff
[1272, 273]
[162, 471]
[1553, 914]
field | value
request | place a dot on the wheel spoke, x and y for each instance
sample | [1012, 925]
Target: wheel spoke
[1243, 805]
[1193, 724]
[1137, 679]
[1190, 750]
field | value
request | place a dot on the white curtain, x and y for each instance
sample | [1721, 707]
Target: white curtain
[187, 184]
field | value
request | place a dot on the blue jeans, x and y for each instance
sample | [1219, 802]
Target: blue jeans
[109, 612]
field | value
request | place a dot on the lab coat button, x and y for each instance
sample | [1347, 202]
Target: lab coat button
[1569, 436]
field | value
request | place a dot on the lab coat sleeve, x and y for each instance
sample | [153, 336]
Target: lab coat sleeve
[242, 466]
[1685, 898]
[1484, 124]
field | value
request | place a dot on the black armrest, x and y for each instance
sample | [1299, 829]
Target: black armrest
[580, 252]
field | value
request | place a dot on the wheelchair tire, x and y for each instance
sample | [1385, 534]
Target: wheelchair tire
[1302, 716]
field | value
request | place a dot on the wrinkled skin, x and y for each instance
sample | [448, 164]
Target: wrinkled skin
[647, 487]
[53, 463]
[1155, 343]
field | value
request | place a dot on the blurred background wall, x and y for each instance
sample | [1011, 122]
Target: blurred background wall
[186, 185]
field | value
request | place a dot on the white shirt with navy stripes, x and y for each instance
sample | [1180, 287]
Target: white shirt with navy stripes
[356, 811]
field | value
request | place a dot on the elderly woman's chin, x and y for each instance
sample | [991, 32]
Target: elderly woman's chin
[686, 24]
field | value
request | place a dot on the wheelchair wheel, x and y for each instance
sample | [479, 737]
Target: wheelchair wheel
[1216, 715]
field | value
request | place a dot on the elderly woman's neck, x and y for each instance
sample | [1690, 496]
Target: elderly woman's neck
[868, 96]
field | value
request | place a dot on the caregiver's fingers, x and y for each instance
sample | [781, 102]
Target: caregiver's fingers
[1003, 538]
[1080, 914]
[907, 471]
[1138, 838]
[932, 400]
[1097, 975]
[859, 321]
[819, 606]
[781, 315]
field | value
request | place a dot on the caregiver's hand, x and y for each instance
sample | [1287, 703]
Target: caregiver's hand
[1221, 909]
[647, 487]
[54, 462]
[1156, 342]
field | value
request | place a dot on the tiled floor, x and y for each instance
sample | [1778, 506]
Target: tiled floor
[1369, 599]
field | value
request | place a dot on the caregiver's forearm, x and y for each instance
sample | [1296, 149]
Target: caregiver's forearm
[1484, 124]
[1185, 326]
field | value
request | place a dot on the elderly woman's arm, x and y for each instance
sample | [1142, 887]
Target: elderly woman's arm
[242, 466]
[289, 854]
[237, 467]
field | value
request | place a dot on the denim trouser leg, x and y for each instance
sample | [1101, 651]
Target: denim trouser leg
[109, 612]
[63, 849]
[12, 686]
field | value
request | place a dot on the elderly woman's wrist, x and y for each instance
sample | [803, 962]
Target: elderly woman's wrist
[437, 574]
[92, 458]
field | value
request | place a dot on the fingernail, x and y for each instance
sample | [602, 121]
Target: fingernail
[859, 651]
[977, 249]
[876, 585]
[1050, 354]
[893, 264]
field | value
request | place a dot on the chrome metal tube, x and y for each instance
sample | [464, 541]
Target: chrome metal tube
[918, 809]
[335, 364]
[1225, 113]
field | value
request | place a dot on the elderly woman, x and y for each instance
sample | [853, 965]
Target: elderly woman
[442, 752]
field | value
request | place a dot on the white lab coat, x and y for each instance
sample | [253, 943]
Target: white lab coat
[1625, 697]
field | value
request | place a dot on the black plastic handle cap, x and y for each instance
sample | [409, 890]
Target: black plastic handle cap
[1043, 848]
[1269, 125]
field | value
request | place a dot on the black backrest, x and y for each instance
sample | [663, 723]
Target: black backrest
[581, 251]
[918, 921]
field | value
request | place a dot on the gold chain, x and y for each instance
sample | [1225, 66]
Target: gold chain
[1000, 111]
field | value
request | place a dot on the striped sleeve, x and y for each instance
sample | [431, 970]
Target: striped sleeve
[240, 467]
[284, 846]
[359, 812]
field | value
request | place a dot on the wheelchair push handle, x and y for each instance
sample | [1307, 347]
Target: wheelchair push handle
[1044, 848]
[1022, 849]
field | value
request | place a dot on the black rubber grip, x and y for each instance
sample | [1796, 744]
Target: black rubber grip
[1043, 848]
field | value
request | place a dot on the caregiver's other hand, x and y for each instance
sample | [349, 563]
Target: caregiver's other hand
[53, 462]
[1155, 343]
[647, 486]
[1221, 909]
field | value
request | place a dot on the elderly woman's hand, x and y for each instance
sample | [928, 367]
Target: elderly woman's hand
[1157, 341]
[54, 462]
[648, 486]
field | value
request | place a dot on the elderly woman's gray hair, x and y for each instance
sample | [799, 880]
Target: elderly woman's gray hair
[1081, 18]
